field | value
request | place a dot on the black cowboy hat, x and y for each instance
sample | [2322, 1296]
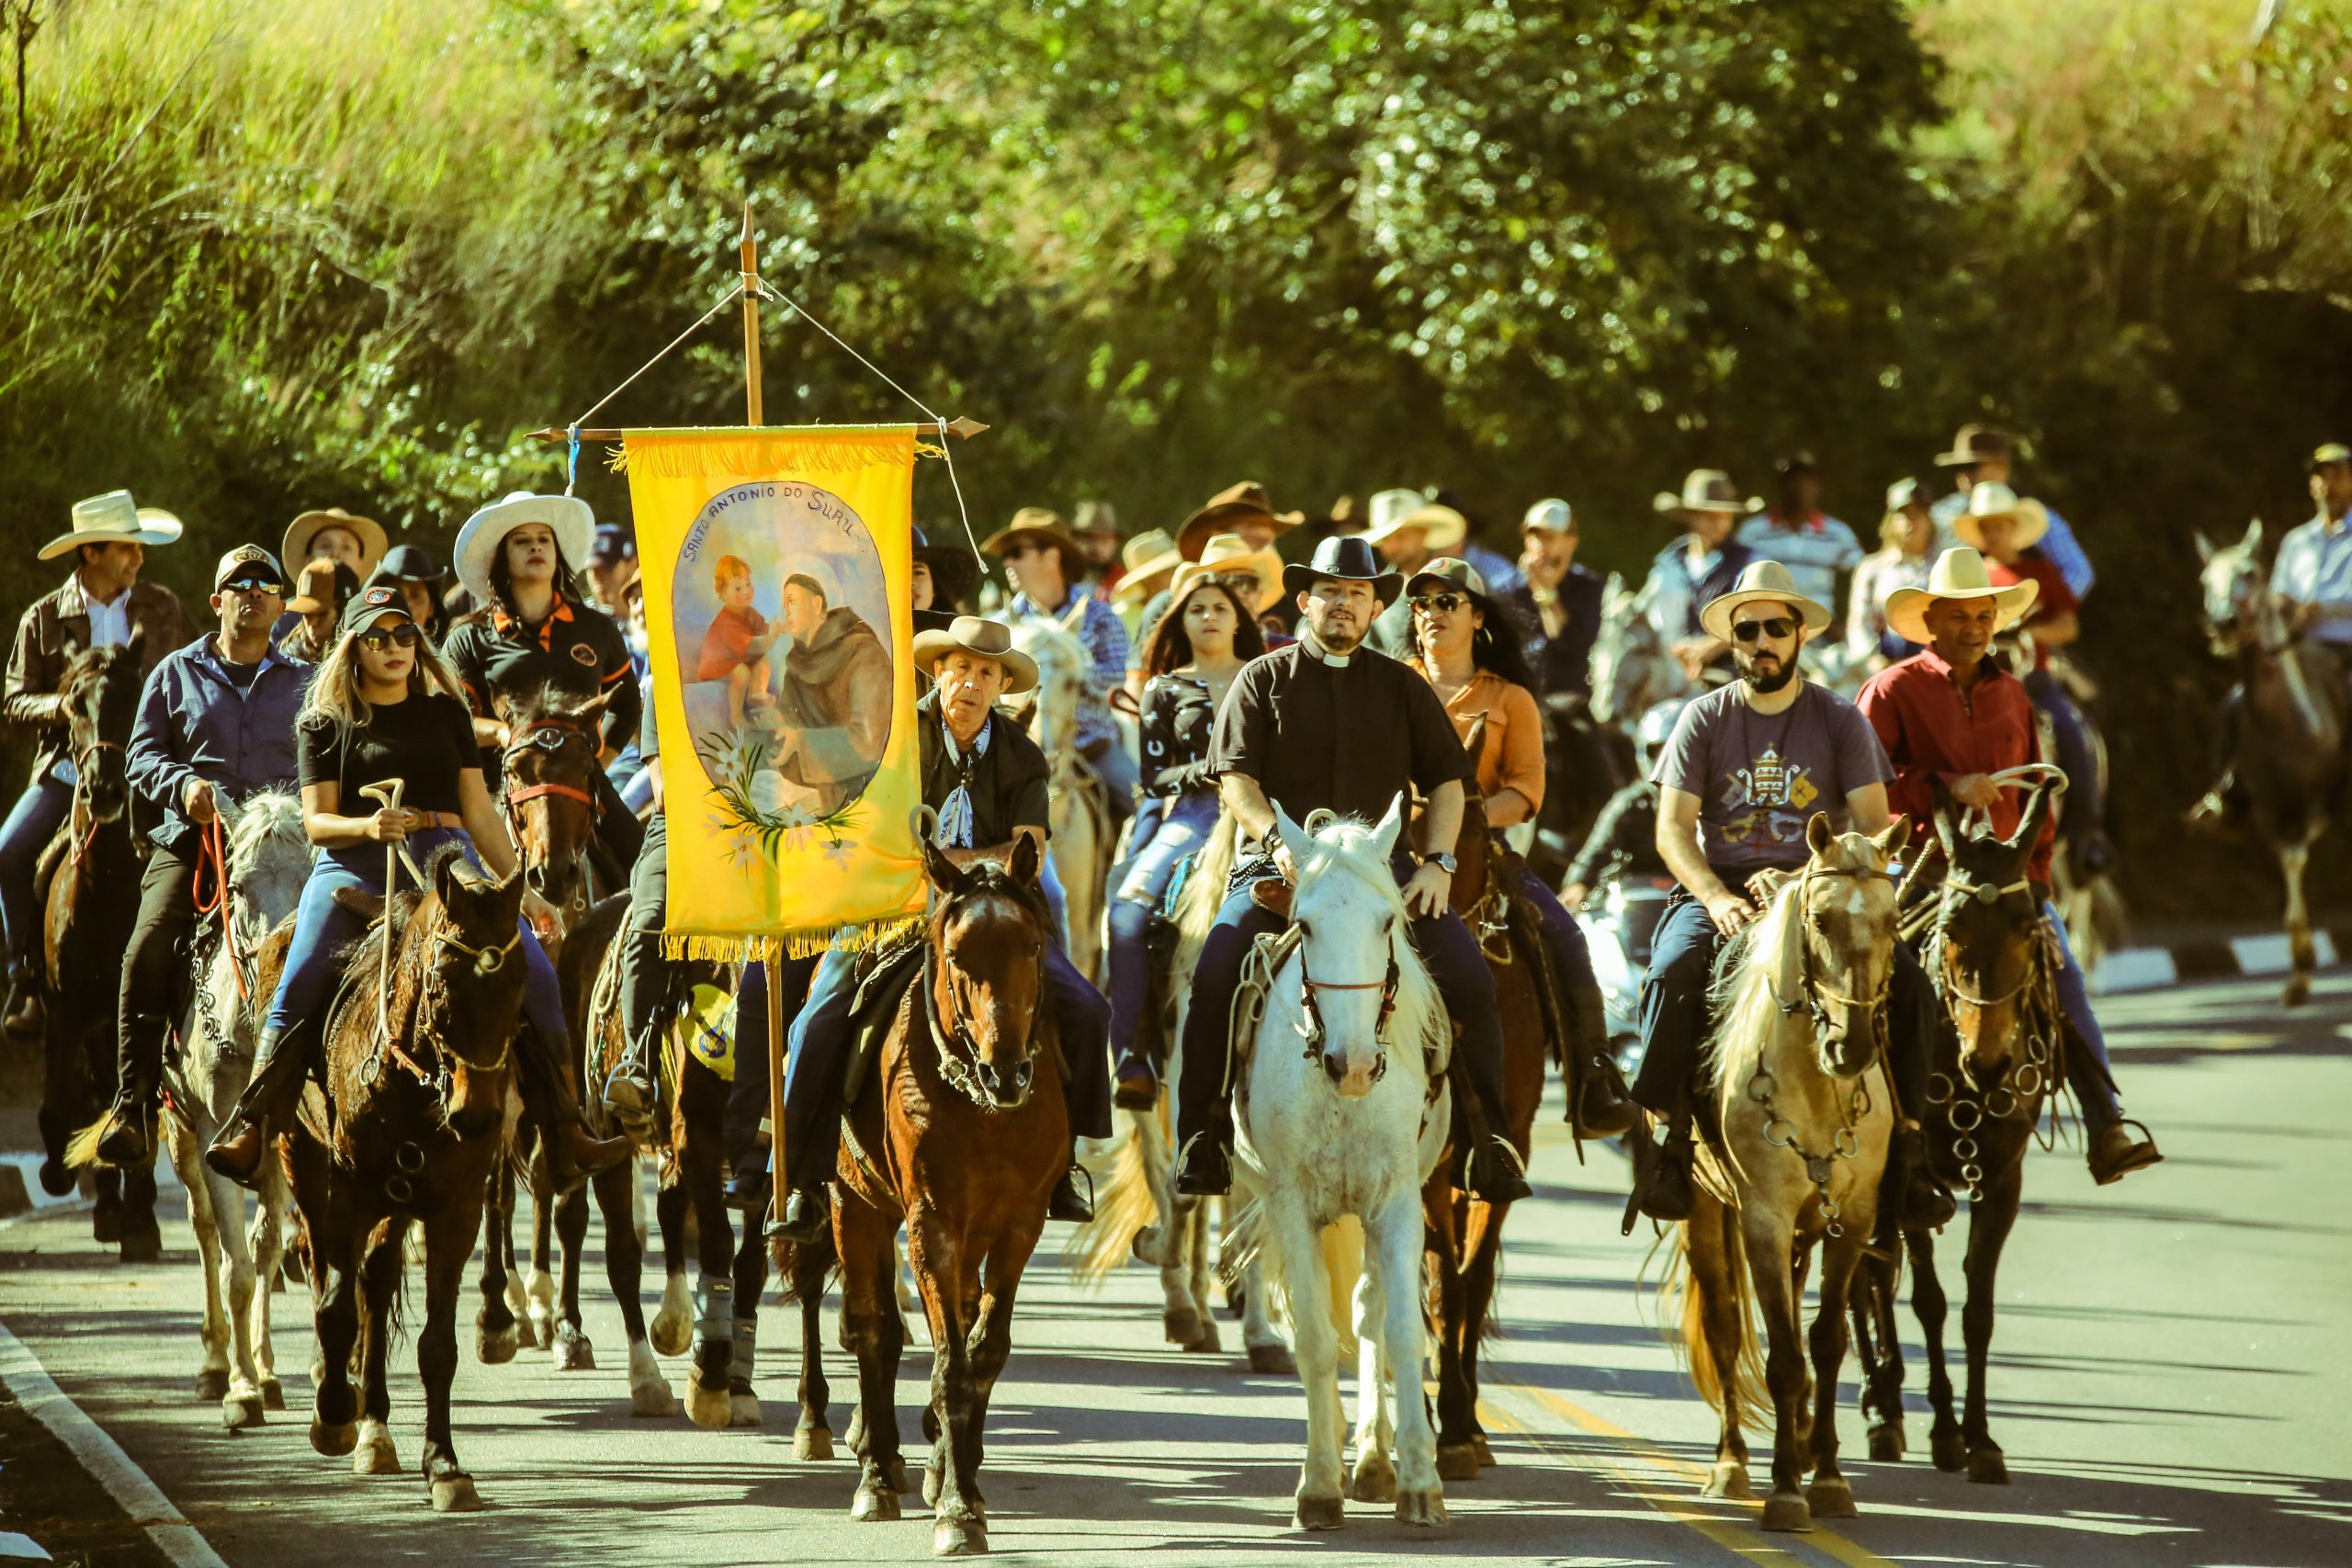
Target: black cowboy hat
[409, 563]
[1349, 559]
[954, 570]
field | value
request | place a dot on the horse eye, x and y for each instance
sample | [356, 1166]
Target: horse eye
[1303, 929]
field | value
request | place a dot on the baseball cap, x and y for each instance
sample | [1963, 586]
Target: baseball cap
[248, 561]
[371, 605]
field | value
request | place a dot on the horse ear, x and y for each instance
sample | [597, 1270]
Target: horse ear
[1292, 837]
[1476, 741]
[1027, 859]
[1384, 835]
[2036, 812]
[444, 876]
[1898, 834]
[1818, 835]
[138, 643]
[2254, 536]
[945, 873]
[1947, 831]
[2204, 548]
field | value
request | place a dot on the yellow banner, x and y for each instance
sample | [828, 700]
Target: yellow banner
[779, 623]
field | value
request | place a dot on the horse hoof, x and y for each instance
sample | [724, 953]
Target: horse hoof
[374, 1454]
[1275, 1361]
[1887, 1444]
[812, 1443]
[455, 1495]
[2298, 992]
[142, 1246]
[495, 1348]
[574, 1354]
[959, 1536]
[1786, 1511]
[1181, 1325]
[239, 1413]
[1486, 1454]
[652, 1399]
[671, 1336]
[1321, 1513]
[1831, 1498]
[1457, 1461]
[1374, 1483]
[1986, 1465]
[708, 1408]
[1950, 1451]
[57, 1179]
[272, 1394]
[212, 1383]
[1727, 1479]
[900, 1483]
[334, 1441]
[106, 1223]
[874, 1505]
[1421, 1508]
[743, 1408]
[542, 1334]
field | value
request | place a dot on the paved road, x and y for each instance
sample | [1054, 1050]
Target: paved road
[2169, 1384]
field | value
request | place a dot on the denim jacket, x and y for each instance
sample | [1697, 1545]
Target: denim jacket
[194, 724]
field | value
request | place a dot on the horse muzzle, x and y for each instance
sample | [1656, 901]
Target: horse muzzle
[1006, 1084]
[1353, 1073]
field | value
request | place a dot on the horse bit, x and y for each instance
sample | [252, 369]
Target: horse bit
[1310, 1028]
[2022, 1082]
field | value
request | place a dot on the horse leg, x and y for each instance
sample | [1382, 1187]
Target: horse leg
[1478, 1291]
[873, 1331]
[539, 1289]
[992, 1338]
[143, 1237]
[105, 1212]
[1260, 1336]
[1770, 1254]
[239, 1283]
[1988, 1231]
[574, 1353]
[1829, 1497]
[1714, 1319]
[751, 1278]
[1876, 1341]
[449, 1237]
[1393, 1259]
[708, 1402]
[673, 1325]
[380, 1280]
[328, 1222]
[1928, 1304]
[265, 1245]
[812, 1438]
[1374, 1477]
[1319, 1501]
[648, 1390]
[213, 1332]
[1458, 1454]
[496, 1337]
[2301, 953]
[942, 1270]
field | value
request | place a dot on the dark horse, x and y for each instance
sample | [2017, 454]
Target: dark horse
[418, 1074]
[89, 890]
[1991, 958]
[956, 1141]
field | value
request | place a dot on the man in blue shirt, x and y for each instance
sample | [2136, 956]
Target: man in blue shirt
[216, 726]
[1047, 566]
[1982, 454]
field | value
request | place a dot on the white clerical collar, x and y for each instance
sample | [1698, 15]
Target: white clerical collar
[1316, 650]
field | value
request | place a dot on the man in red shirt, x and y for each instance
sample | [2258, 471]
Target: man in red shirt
[1950, 713]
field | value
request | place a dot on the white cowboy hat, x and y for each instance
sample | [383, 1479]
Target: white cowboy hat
[1763, 579]
[1704, 490]
[1229, 554]
[1551, 516]
[974, 634]
[1958, 573]
[1394, 511]
[573, 524]
[311, 524]
[112, 517]
[1993, 499]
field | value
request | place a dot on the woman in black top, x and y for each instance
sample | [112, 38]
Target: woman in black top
[383, 707]
[1195, 651]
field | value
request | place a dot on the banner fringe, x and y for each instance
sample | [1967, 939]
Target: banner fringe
[706, 947]
[759, 457]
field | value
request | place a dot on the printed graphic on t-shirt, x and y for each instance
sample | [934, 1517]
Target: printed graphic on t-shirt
[1768, 801]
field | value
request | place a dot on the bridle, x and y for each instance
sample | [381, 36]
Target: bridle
[488, 959]
[548, 734]
[960, 1072]
[1811, 990]
[82, 755]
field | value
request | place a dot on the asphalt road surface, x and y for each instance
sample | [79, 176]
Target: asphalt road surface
[2169, 1382]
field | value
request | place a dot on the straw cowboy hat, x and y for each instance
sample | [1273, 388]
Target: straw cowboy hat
[989, 639]
[567, 516]
[1993, 499]
[1147, 558]
[1763, 580]
[1349, 559]
[311, 525]
[1221, 510]
[1042, 524]
[1972, 444]
[1228, 555]
[112, 518]
[1958, 573]
[1394, 511]
[1704, 490]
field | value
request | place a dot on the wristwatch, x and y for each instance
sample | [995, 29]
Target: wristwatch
[1443, 862]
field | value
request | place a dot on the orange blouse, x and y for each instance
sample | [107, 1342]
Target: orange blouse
[1512, 754]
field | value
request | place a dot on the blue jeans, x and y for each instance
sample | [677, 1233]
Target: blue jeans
[747, 1097]
[2085, 812]
[39, 813]
[818, 1054]
[1570, 954]
[2093, 1090]
[1166, 832]
[321, 927]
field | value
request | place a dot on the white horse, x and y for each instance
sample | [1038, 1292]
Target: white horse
[1633, 670]
[1345, 1129]
[270, 859]
[1079, 824]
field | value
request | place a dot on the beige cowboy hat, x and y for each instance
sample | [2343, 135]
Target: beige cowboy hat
[1993, 499]
[989, 639]
[1763, 579]
[1958, 573]
[1248, 499]
[1704, 490]
[112, 518]
[1394, 511]
[1228, 555]
[1038, 523]
[310, 525]
[1149, 558]
[1972, 444]
[568, 517]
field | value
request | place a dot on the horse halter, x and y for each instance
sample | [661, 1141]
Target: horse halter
[1811, 992]
[1955, 892]
[548, 734]
[1311, 1028]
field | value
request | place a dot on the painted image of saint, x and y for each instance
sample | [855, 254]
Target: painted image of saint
[832, 714]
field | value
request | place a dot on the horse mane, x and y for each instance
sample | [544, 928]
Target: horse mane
[548, 700]
[987, 876]
[272, 817]
[1740, 997]
[1346, 847]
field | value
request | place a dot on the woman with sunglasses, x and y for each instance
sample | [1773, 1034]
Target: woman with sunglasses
[384, 706]
[1197, 649]
[1470, 654]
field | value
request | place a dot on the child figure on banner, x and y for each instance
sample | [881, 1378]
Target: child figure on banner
[735, 649]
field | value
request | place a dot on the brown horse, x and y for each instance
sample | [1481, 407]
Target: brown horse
[418, 1076]
[957, 1142]
[89, 889]
[1989, 955]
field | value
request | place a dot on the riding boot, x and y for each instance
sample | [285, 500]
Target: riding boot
[1663, 1188]
[1601, 1109]
[280, 1067]
[1490, 1169]
[805, 1210]
[128, 1135]
[1067, 1204]
[1926, 1205]
[574, 1155]
[629, 1093]
[25, 1015]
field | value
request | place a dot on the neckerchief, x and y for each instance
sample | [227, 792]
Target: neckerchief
[955, 811]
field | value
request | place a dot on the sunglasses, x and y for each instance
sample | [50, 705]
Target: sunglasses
[1777, 628]
[1438, 603]
[260, 586]
[376, 640]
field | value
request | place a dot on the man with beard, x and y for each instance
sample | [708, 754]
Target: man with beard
[1327, 722]
[834, 711]
[1744, 769]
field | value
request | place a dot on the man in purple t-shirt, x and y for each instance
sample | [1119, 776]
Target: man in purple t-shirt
[1745, 769]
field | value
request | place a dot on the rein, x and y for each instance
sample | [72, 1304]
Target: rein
[81, 773]
[488, 959]
[1311, 1028]
[212, 858]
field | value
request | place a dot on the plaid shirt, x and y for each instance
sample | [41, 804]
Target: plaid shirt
[1105, 638]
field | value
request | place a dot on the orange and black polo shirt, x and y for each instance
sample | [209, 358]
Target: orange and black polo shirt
[578, 650]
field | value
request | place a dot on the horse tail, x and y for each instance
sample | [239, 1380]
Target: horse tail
[1125, 1207]
[1204, 891]
[1679, 1296]
[804, 1268]
[82, 1148]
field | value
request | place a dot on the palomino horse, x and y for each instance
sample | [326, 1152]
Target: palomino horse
[89, 883]
[954, 1140]
[1989, 954]
[1348, 1128]
[2291, 734]
[1080, 827]
[268, 858]
[1803, 1116]
[418, 1075]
